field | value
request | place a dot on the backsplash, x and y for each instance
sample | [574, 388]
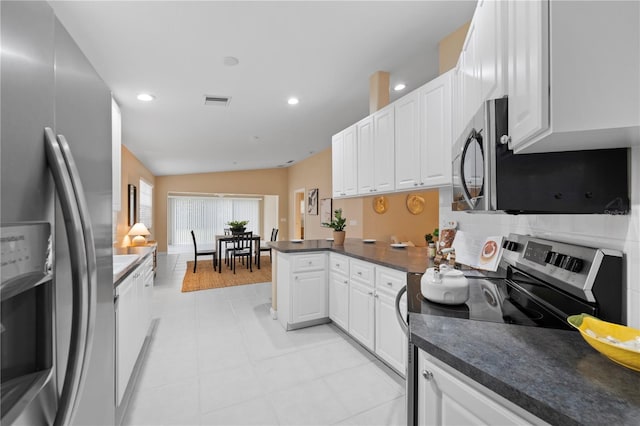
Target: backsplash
[602, 231]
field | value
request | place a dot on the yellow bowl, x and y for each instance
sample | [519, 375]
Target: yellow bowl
[596, 332]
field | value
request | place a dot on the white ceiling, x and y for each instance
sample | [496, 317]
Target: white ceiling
[321, 52]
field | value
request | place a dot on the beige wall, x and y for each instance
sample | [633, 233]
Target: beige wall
[450, 47]
[132, 170]
[362, 220]
[250, 182]
[398, 221]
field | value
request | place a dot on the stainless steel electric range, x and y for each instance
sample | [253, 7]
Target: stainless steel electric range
[540, 283]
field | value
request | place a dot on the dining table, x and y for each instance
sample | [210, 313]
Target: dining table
[255, 242]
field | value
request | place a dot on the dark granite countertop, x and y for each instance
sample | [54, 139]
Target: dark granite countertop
[553, 374]
[408, 259]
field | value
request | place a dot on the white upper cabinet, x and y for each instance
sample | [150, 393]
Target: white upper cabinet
[116, 142]
[384, 143]
[573, 75]
[366, 156]
[407, 134]
[376, 154]
[344, 163]
[482, 61]
[423, 135]
[436, 111]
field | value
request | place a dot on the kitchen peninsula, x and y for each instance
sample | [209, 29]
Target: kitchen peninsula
[532, 374]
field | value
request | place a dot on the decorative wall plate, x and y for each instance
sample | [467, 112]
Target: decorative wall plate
[380, 204]
[415, 204]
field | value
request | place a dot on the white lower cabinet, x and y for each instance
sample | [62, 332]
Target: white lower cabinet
[133, 317]
[362, 312]
[447, 397]
[391, 342]
[303, 291]
[339, 290]
[372, 311]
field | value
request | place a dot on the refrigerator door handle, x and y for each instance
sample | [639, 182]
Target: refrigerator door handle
[403, 324]
[80, 277]
[89, 242]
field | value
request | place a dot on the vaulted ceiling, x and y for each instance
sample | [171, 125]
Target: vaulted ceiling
[320, 52]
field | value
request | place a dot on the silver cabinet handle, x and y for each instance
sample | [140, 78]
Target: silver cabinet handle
[390, 284]
[428, 375]
[359, 273]
[415, 184]
[375, 295]
[370, 293]
[346, 281]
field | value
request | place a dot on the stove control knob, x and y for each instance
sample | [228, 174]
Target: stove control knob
[551, 257]
[510, 245]
[559, 260]
[573, 264]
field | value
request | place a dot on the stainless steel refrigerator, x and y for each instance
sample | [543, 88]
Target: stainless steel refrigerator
[57, 331]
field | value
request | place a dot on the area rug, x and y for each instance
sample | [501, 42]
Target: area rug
[206, 278]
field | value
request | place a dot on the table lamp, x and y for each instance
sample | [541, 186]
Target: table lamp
[139, 232]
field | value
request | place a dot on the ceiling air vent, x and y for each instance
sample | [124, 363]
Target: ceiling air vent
[217, 100]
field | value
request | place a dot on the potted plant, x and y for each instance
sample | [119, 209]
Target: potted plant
[337, 224]
[237, 226]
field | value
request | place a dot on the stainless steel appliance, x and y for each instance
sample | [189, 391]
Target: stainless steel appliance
[57, 312]
[488, 177]
[540, 283]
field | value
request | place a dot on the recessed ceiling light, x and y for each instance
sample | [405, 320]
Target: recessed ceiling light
[145, 97]
[230, 61]
[293, 101]
[398, 87]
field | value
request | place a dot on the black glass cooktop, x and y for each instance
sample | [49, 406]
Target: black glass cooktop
[515, 298]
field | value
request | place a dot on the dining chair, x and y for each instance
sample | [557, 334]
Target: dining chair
[274, 237]
[196, 253]
[228, 245]
[242, 248]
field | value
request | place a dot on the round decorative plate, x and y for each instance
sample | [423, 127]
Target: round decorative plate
[380, 204]
[415, 204]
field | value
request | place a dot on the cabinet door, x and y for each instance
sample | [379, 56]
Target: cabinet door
[391, 342]
[350, 165]
[361, 313]
[407, 135]
[384, 147]
[470, 85]
[339, 300]
[146, 297]
[337, 165]
[491, 44]
[126, 333]
[444, 399]
[435, 113]
[365, 156]
[309, 296]
[528, 69]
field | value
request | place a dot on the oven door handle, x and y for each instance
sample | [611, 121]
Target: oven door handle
[403, 324]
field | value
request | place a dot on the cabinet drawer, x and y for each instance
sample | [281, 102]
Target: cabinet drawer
[308, 262]
[363, 271]
[339, 263]
[390, 279]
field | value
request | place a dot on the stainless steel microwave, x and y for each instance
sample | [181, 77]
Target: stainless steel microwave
[489, 177]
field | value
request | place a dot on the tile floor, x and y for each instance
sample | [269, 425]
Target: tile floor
[217, 358]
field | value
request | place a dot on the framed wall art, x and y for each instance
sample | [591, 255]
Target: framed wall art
[133, 209]
[312, 202]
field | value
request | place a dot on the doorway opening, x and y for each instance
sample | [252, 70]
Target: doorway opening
[298, 213]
